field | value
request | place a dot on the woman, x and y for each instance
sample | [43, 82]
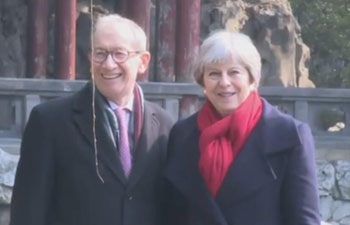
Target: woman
[238, 161]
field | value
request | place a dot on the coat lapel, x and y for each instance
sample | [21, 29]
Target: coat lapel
[145, 151]
[252, 169]
[82, 115]
[247, 174]
[183, 172]
[109, 154]
[83, 118]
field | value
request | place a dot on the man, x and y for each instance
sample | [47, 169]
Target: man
[62, 177]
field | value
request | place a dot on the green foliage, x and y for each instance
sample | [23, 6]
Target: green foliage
[325, 28]
[330, 117]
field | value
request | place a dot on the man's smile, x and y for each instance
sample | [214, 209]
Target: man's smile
[111, 76]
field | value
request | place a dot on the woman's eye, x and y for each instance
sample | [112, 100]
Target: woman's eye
[234, 72]
[214, 74]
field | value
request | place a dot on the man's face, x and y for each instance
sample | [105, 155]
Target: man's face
[116, 80]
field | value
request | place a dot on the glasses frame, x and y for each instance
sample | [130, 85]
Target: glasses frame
[111, 53]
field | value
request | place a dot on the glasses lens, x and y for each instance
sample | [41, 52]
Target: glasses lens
[100, 56]
[120, 56]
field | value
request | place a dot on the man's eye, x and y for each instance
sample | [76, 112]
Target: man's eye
[119, 54]
[100, 54]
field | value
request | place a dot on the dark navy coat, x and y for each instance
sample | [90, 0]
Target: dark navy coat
[57, 183]
[271, 182]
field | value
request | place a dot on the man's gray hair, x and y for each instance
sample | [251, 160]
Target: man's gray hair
[223, 45]
[138, 33]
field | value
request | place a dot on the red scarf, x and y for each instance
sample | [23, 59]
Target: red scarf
[222, 138]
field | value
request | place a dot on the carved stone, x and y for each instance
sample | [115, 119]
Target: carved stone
[8, 165]
[13, 18]
[275, 32]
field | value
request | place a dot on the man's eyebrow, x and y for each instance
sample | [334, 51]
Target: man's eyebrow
[100, 49]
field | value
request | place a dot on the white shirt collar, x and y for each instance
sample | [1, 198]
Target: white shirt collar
[129, 106]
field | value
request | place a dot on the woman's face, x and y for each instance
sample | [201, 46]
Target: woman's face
[226, 84]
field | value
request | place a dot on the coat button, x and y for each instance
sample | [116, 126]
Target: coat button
[130, 198]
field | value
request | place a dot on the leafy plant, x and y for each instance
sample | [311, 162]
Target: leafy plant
[326, 30]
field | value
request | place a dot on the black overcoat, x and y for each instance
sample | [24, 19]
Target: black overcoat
[56, 181]
[272, 181]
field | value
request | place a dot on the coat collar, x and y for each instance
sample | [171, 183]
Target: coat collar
[146, 151]
[278, 130]
[105, 145]
[250, 171]
[83, 115]
[183, 172]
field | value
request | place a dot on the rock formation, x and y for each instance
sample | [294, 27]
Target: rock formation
[270, 23]
[275, 32]
[13, 17]
[8, 164]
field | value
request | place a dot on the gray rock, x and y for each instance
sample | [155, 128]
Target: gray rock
[326, 203]
[343, 178]
[8, 165]
[5, 195]
[13, 22]
[275, 32]
[345, 221]
[341, 211]
[325, 223]
[331, 223]
[326, 177]
[4, 214]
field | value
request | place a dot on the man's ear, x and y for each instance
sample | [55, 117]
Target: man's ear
[145, 58]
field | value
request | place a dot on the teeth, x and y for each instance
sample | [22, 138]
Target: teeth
[111, 76]
[226, 94]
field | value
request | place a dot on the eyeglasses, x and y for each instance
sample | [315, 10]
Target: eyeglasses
[118, 56]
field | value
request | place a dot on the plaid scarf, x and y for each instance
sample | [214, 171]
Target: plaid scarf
[139, 112]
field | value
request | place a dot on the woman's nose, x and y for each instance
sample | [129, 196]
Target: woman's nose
[225, 79]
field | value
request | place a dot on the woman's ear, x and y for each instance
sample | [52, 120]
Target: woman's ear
[253, 87]
[145, 58]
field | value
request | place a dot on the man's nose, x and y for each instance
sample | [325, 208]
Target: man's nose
[109, 63]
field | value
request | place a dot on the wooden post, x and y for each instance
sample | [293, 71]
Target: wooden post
[187, 43]
[187, 39]
[65, 38]
[140, 12]
[166, 44]
[38, 16]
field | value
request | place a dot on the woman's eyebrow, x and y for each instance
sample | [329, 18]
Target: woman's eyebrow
[212, 68]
